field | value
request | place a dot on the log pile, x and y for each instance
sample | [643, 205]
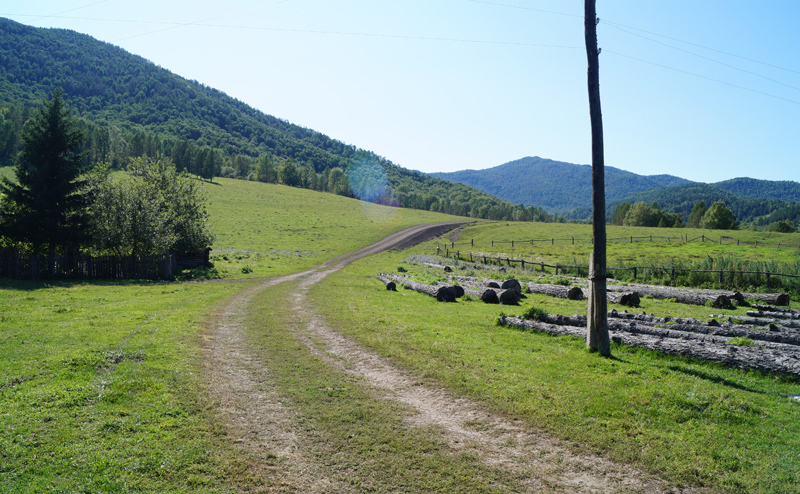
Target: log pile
[742, 346]
[700, 296]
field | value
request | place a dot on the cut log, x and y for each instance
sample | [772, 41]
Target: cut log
[491, 284]
[446, 269]
[390, 285]
[771, 358]
[772, 314]
[698, 296]
[446, 293]
[512, 284]
[560, 291]
[629, 299]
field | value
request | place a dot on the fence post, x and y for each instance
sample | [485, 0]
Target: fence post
[552, 241]
[512, 244]
[767, 281]
[631, 239]
[720, 277]
[634, 273]
[573, 240]
[523, 264]
[672, 276]
[472, 242]
[470, 257]
[437, 250]
[492, 243]
[452, 245]
[556, 269]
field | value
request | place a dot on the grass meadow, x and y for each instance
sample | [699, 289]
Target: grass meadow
[692, 423]
[101, 385]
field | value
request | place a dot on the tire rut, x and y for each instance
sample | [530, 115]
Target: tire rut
[264, 425]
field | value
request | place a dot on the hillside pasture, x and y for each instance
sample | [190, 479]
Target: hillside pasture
[270, 230]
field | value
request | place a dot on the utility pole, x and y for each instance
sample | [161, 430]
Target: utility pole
[597, 325]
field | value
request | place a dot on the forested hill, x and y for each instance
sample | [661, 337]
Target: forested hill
[556, 186]
[132, 107]
[783, 190]
[681, 199]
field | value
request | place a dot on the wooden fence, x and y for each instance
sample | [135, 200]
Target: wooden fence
[625, 240]
[580, 270]
[84, 267]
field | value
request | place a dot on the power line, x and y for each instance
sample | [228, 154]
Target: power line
[618, 25]
[203, 20]
[707, 58]
[66, 11]
[701, 76]
[173, 25]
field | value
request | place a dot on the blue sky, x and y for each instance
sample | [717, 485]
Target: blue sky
[704, 90]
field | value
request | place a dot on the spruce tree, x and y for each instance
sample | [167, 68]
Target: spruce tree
[46, 207]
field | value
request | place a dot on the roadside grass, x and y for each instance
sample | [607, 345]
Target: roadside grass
[692, 423]
[360, 439]
[267, 230]
[100, 389]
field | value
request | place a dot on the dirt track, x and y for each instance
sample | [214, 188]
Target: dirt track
[264, 426]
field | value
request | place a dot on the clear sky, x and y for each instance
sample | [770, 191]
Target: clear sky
[706, 90]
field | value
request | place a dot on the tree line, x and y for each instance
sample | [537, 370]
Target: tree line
[59, 204]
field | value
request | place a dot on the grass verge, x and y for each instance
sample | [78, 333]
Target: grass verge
[690, 422]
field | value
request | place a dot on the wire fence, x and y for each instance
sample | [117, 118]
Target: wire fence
[724, 278]
[723, 240]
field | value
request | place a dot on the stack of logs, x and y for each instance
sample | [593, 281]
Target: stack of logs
[744, 344]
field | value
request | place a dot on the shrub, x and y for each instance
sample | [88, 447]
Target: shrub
[533, 313]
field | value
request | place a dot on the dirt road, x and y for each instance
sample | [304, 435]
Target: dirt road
[265, 426]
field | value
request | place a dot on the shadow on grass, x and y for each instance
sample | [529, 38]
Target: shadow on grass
[27, 285]
[713, 379]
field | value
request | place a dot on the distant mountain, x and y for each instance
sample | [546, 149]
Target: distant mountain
[131, 107]
[556, 186]
[783, 190]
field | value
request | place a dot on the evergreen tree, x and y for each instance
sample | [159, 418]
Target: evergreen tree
[47, 205]
[696, 215]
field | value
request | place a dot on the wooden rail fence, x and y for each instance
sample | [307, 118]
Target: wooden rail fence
[564, 269]
[724, 240]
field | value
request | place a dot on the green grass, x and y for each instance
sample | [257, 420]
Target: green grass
[275, 230]
[99, 389]
[678, 254]
[100, 383]
[362, 439]
[691, 422]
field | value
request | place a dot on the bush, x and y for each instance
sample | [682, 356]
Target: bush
[533, 313]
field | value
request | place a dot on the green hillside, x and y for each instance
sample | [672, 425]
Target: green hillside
[131, 107]
[782, 190]
[556, 186]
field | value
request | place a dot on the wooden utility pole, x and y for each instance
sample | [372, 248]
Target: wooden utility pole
[597, 326]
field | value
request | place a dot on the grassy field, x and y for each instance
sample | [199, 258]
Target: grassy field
[479, 239]
[267, 230]
[690, 422]
[100, 383]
